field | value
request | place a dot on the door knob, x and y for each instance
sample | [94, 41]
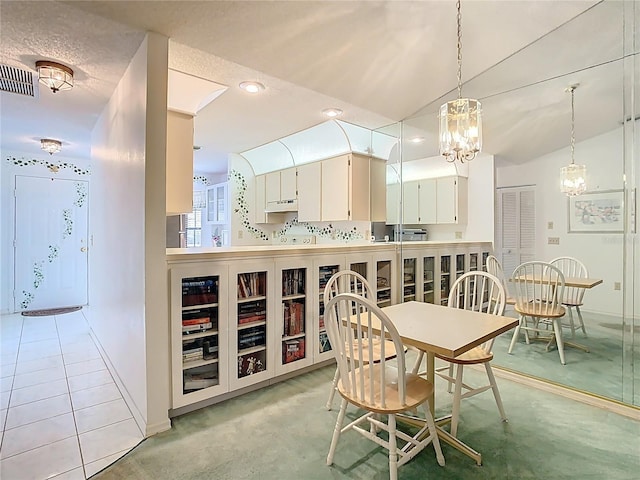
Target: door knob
[83, 249]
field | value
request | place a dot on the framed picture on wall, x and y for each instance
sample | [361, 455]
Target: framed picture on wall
[597, 212]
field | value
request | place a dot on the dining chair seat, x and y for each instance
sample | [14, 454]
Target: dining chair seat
[535, 309]
[474, 356]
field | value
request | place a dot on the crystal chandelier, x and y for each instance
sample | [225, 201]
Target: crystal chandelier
[573, 177]
[50, 145]
[460, 119]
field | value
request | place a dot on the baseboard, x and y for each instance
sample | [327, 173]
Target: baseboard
[594, 400]
[152, 429]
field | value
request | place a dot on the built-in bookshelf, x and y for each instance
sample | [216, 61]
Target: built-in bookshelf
[473, 261]
[294, 311]
[325, 272]
[383, 282]
[251, 323]
[428, 275]
[409, 279]
[200, 328]
[445, 278]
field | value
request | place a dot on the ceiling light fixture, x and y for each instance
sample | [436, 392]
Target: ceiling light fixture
[252, 87]
[460, 119]
[573, 177]
[332, 112]
[416, 139]
[50, 145]
[54, 75]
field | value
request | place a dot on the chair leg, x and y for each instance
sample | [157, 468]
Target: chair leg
[572, 325]
[557, 328]
[496, 392]
[334, 385]
[455, 412]
[581, 320]
[514, 339]
[393, 448]
[336, 431]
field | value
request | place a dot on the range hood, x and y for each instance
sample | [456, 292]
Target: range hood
[282, 206]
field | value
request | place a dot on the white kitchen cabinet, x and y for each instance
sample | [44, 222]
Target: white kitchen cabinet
[309, 192]
[419, 206]
[281, 185]
[451, 201]
[179, 166]
[217, 204]
[345, 188]
[393, 204]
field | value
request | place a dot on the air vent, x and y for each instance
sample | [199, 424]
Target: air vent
[14, 80]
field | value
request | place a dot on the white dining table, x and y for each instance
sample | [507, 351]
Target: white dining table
[436, 329]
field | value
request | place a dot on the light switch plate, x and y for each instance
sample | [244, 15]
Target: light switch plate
[553, 240]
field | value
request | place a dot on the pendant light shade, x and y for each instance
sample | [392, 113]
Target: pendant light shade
[573, 178]
[460, 119]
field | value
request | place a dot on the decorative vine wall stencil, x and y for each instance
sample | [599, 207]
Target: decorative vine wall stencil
[68, 223]
[28, 298]
[243, 207]
[54, 167]
[243, 210]
[201, 179]
[53, 253]
[81, 191]
[38, 276]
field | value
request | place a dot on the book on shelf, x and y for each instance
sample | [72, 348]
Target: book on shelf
[199, 380]
[293, 350]
[199, 291]
[251, 363]
[293, 318]
[260, 317]
[200, 327]
[251, 284]
[195, 321]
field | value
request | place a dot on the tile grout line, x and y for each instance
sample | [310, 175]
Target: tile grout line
[13, 378]
[73, 413]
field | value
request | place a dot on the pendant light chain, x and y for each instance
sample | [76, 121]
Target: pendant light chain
[459, 49]
[573, 119]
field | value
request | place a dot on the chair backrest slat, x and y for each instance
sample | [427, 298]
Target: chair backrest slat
[539, 288]
[480, 292]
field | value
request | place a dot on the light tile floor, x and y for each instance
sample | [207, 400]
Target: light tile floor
[61, 413]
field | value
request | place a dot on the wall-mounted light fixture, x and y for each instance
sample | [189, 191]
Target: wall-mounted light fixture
[54, 75]
[50, 145]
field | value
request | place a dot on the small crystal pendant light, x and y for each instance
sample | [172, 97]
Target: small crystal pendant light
[573, 178]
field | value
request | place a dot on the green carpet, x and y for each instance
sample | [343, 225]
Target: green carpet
[284, 431]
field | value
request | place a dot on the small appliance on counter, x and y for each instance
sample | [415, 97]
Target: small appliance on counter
[413, 235]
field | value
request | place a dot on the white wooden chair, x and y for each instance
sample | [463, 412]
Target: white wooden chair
[347, 281]
[354, 323]
[481, 292]
[572, 267]
[495, 268]
[539, 289]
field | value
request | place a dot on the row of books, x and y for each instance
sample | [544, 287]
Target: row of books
[201, 377]
[293, 282]
[252, 337]
[199, 291]
[293, 318]
[194, 325]
[325, 274]
[250, 317]
[251, 284]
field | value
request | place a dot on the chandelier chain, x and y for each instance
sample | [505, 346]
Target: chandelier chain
[459, 49]
[573, 118]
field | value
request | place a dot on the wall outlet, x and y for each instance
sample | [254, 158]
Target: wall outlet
[549, 225]
[553, 240]
[458, 235]
[616, 285]
[239, 234]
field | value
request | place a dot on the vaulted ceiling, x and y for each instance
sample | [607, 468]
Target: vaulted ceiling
[378, 61]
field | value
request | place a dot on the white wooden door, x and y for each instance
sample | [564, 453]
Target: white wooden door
[50, 248]
[515, 227]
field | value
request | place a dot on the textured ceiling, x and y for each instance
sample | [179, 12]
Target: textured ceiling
[378, 61]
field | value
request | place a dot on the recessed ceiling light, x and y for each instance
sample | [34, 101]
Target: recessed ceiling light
[252, 87]
[416, 139]
[332, 112]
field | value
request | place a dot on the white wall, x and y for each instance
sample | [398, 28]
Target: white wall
[602, 253]
[127, 262]
[8, 172]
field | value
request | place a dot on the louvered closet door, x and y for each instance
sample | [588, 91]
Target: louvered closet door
[515, 227]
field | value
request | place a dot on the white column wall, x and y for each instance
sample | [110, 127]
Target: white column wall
[602, 253]
[128, 294]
